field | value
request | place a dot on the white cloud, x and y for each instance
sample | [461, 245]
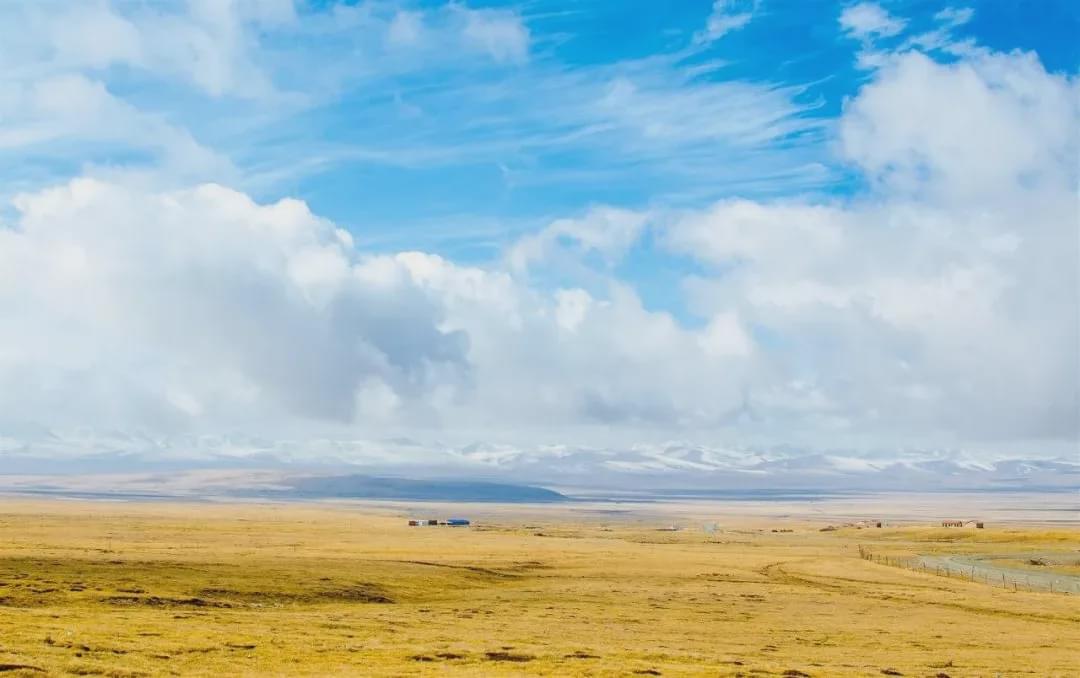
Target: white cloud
[873, 26]
[941, 37]
[74, 80]
[725, 336]
[727, 16]
[867, 20]
[1016, 126]
[955, 16]
[199, 307]
[947, 299]
[606, 231]
[568, 360]
[662, 112]
[93, 35]
[939, 305]
[208, 44]
[499, 33]
[52, 115]
[223, 89]
[405, 29]
[738, 231]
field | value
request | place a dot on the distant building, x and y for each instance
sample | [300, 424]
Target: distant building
[977, 524]
[424, 522]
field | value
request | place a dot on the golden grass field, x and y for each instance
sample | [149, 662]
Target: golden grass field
[130, 589]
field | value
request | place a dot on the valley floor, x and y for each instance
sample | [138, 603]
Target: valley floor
[132, 589]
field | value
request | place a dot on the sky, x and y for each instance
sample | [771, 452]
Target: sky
[486, 230]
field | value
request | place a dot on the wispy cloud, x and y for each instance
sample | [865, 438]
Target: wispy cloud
[727, 16]
[446, 86]
[868, 20]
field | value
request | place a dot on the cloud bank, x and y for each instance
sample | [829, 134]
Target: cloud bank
[937, 306]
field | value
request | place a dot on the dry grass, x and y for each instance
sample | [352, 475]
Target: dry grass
[1044, 562]
[149, 589]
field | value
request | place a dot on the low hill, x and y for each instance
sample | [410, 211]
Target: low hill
[374, 487]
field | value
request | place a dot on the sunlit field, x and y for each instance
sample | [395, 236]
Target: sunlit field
[122, 589]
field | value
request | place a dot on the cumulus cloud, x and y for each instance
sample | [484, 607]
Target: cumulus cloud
[199, 309]
[1016, 127]
[129, 308]
[947, 299]
[570, 359]
[606, 231]
[940, 304]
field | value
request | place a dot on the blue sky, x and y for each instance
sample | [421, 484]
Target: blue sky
[459, 153]
[740, 222]
[531, 172]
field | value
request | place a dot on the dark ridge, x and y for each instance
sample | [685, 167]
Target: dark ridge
[372, 487]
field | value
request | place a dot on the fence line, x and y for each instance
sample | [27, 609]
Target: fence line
[1000, 579]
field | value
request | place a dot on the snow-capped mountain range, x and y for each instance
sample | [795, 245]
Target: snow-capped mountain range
[640, 467]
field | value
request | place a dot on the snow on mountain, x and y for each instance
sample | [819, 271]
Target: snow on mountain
[641, 466]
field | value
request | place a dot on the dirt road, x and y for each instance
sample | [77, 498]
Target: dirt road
[978, 568]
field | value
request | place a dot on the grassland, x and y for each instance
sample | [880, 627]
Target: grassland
[95, 588]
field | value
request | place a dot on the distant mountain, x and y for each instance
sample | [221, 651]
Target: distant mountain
[372, 487]
[272, 484]
[377, 468]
